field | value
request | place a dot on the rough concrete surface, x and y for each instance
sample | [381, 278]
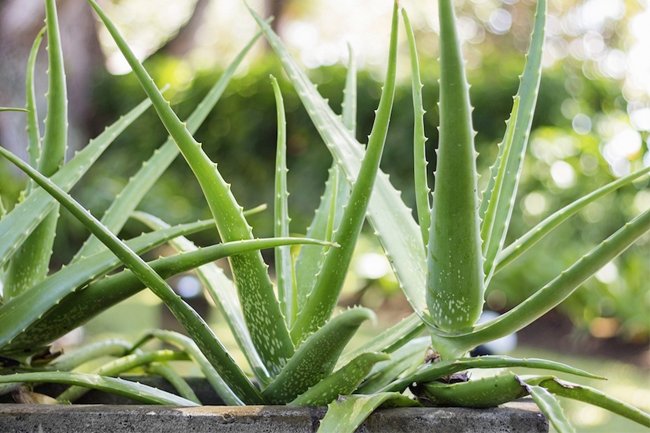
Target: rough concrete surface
[518, 417]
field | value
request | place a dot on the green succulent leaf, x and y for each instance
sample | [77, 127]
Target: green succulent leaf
[347, 413]
[550, 407]
[181, 386]
[592, 396]
[122, 365]
[545, 227]
[188, 346]
[20, 312]
[23, 218]
[260, 306]
[75, 358]
[131, 195]
[31, 262]
[422, 190]
[316, 357]
[191, 321]
[512, 151]
[342, 382]
[283, 260]
[223, 292]
[390, 218]
[454, 260]
[389, 339]
[74, 310]
[437, 370]
[480, 393]
[14, 109]
[33, 132]
[132, 390]
[556, 290]
[403, 362]
[329, 281]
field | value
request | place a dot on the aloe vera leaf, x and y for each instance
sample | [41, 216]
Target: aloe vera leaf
[342, 382]
[76, 309]
[550, 407]
[557, 290]
[132, 390]
[260, 306]
[534, 235]
[347, 413]
[210, 373]
[436, 370]
[336, 194]
[316, 357]
[480, 393]
[283, 261]
[389, 339]
[321, 301]
[592, 396]
[88, 352]
[387, 213]
[122, 365]
[506, 193]
[403, 360]
[23, 218]
[454, 259]
[223, 293]
[31, 262]
[422, 190]
[131, 195]
[33, 132]
[193, 323]
[23, 310]
[176, 380]
[488, 219]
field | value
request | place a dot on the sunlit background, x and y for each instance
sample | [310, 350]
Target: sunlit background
[592, 126]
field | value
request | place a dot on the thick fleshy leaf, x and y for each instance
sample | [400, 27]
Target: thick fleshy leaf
[342, 382]
[223, 292]
[283, 260]
[76, 309]
[347, 413]
[131, 195]
[260, 306]
[590, 395]
[31, 262]
[181, 386]
[132, 390]
[557, 290]
[545, 227]
[191, 321]
[21, 311]
[481, 393]
[89, 352]
[189, 347]
[316, 357]
[504, 193]
[122, 365]
[329, 281]
[23, 218]
[420, 182]
[391, 219]
[33, 131]
[436, 370]
[550, 407]
[454, 258]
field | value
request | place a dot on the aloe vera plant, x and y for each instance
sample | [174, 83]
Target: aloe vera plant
[293, 343]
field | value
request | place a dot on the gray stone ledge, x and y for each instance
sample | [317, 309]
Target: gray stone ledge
[517, 417]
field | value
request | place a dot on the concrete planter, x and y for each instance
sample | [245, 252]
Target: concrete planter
[517, 417]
